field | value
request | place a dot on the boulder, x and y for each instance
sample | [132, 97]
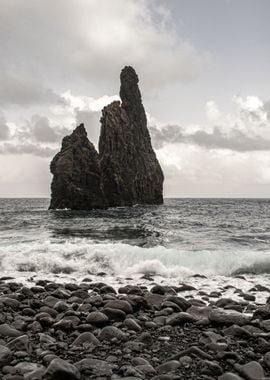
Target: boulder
[61, 369]
[5, 356]
[228, 317]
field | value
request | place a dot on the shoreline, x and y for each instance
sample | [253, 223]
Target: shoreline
[91, 330]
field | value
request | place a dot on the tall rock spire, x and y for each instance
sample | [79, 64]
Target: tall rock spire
[130, 170]
[131, 96]
[124, 172]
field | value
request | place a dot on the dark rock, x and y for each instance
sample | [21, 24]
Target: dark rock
[169, 366]
[263, 345]
[158, 289]
[200, 312]
[107, 289]
[185, 361]
[130, 289]
[97, 318]
[146, 369]
[259, 288]
[85, 339]
[210, 337]
[110, 332]
[251, 371]
[26, 367]
[224, 302]
[137, 361]
[46, 339]
[120, 305]
[76, 174]
[211, 368]
[124, 172]
[236, 331]
[135, 346]
[266, 359]
[181, 302]
[265, 324]
[131, 324]
[185, 288]
[114, 315]
[94, 366]
[10, 302]
[130, 171]
[229, 376]
[154, 300]
[228, 317]
[262, 312]
[6, 330]
[21, 343]
[60, 369]
[5, 356]
[37, 374]
[145, 338]
[180, 319]
[248, 297]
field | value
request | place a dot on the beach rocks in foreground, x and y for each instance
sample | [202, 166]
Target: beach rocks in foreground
[67, 331]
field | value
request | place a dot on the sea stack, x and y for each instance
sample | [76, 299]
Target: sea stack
[124, 172]
[76, 173]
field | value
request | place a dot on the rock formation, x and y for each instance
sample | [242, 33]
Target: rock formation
[124, 172]
[76, 174]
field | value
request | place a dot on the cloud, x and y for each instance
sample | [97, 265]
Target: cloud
[42, 55]
[91, 120]
[40, 129]
[193, 171]
[23, 91]
[212, 110]
[87, 110]
[4, 128]
[37, 137]
[236, 140]
[41, 136]
[247, 130]
[28, 148]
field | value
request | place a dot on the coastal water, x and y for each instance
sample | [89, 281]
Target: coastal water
[183, 237]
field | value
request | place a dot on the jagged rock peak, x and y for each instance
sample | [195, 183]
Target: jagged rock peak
[76, 173]
[124, 172]
[79, 131]
[130, 94]
[129, 168]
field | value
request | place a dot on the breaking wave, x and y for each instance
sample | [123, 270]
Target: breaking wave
[87, 257]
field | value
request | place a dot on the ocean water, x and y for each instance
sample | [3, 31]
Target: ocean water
[174, 241]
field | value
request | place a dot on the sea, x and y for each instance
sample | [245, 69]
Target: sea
[209, 243]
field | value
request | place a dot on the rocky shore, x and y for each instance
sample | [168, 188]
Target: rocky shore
[90, 330]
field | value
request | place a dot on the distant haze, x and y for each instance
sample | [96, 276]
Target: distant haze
[204, 77]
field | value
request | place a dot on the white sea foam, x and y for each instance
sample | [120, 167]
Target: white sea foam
[84, 256]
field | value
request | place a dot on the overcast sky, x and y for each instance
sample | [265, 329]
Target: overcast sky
[204, 76]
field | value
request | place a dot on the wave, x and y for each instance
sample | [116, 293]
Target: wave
[87, 257]
[260, 267]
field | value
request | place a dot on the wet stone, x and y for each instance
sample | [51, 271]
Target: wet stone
[61, 369]
[97, 318]
[251, 371]
[5, 356]
[110, 332]
[94, 366]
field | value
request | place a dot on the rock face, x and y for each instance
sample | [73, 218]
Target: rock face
[130, 171]
[76, 174]
[124, 172]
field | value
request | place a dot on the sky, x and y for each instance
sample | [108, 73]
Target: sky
[204, 76]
